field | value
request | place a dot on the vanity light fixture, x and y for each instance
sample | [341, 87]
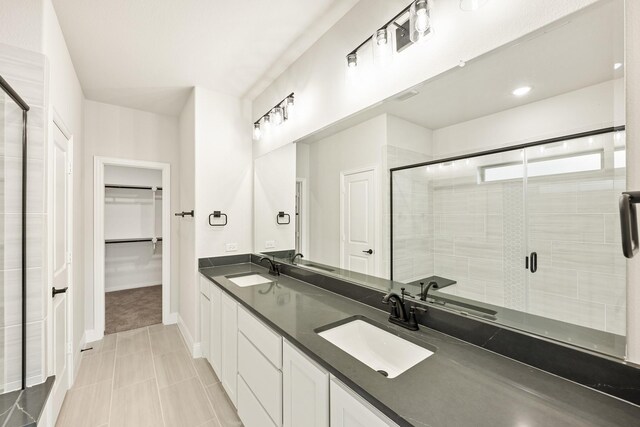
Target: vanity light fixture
[276, 115]
[521, 91]
[419, 20]
[471, 5]
[415, 28]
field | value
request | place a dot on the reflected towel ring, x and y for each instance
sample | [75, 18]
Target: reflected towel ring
[217, 214]
[281, 214]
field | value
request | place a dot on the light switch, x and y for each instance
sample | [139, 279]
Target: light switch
[270, 244]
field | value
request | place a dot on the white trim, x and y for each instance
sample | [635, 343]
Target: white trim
[194, 347]
[304, 219]
[77, 354]
[91, 335]
[377, 215]
[56, 121]
[98, 236]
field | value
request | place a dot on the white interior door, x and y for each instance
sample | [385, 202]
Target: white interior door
[60, 174]
[358, 222]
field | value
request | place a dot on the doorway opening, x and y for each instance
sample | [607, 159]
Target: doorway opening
[132, 241]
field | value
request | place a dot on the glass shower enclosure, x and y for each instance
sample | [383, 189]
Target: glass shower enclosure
[13, 268]
[530, 235]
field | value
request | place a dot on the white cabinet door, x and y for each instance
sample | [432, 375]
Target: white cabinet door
[205, 326]
[229, 313]
[305, 390]
[350, 410]
[250, 411]
[215, 351]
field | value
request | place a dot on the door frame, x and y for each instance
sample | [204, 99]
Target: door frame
[57, 122]
[99, 163]
[304, 218]
[376, 217]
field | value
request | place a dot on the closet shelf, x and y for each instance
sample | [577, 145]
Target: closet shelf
[136, 240]
[131, 187]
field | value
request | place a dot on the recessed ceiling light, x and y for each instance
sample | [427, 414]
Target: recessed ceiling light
[521, 91]
[617, 65]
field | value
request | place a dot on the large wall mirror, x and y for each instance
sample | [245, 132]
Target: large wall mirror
[491, 190]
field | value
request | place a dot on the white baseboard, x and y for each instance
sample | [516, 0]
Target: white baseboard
[193, 347]
[92, 335]
[172, 319]
[77, 359]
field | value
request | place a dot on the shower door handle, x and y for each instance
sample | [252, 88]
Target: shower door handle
[534, 262]
[629, 222]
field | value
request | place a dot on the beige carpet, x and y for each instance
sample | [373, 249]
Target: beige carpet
[132, 309]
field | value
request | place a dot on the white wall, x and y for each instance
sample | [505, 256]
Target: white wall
[275, 191]
[224, 173]
[21, 23]
[67, 99]
[188, 261]
[589, 108]
[318, 78]
[357, 147]
[112, 131]
[217, 174]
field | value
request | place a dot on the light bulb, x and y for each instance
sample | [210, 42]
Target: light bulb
[256, 131]
[422, 21]
[419, 20]
[521, 91]
[266, 123]
[617, 65]
[352, 60]
[381, 37]
[276, 116]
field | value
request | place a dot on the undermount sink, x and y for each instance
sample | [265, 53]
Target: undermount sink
[249, 280]
[375, 347]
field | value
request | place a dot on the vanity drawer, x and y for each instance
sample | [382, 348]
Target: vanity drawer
[267, 341]
[251, 413]
[264, 379]
[205, 286]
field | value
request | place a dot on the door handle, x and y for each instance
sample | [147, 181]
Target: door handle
[55, 291]
[370, 251]
[629, 222]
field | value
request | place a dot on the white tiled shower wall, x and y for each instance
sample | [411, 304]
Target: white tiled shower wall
[25, 72]
[478, 235]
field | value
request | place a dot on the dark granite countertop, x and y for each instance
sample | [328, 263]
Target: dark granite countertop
[460, 385]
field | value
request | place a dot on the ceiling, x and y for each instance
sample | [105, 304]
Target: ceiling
[147, 54]
[568, 55]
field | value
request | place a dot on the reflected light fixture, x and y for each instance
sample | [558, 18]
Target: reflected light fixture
[277, 115]
[352, 60]
[521, 91]
[471, 5]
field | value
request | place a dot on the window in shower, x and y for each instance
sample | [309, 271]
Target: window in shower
[531, 234]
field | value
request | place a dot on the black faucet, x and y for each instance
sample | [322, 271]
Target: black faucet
[293, 258]
[398, 314]
[274, 269]
[425, 291]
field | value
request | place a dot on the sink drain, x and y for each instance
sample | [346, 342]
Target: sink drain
[384, 373]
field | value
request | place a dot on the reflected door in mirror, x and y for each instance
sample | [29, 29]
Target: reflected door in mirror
[358, 222]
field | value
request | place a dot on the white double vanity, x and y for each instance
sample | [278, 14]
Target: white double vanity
[268, 379]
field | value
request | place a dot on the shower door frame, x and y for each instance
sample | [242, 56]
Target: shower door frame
[479, 154]
[6, 87]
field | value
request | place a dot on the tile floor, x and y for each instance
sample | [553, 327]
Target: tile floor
[145, 377]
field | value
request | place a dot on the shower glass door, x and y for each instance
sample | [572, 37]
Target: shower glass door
[11, 209]
[577, 273]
